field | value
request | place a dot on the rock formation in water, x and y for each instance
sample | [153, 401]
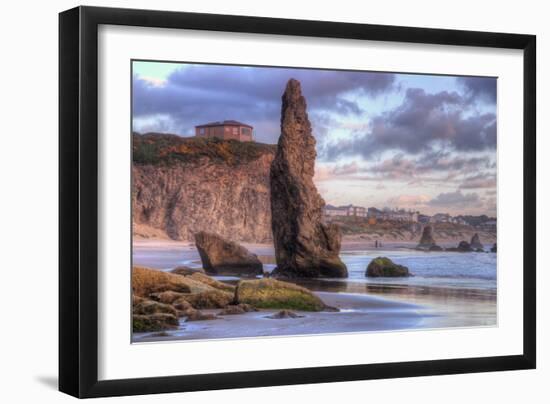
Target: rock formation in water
[304, 246]
[464, 246]
[426, 241]
[475, 243]
[385, 267]
[185, 185]
[224, 257]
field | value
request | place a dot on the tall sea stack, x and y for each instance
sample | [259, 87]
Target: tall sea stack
[475, 243]
[304, 246]
[427, 239]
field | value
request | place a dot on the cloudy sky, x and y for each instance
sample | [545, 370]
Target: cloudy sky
[421, 142]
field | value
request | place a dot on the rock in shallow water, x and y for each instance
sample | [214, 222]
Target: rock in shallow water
[385, 267]
[475, 242]
[274, 294]
[224, 257]
[427, 240]
[464, 246]
[304, 246]
[284, 314]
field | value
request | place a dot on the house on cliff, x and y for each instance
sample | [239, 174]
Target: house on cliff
[226, 130]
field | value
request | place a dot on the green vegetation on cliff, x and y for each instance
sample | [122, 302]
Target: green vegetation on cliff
[165, 149]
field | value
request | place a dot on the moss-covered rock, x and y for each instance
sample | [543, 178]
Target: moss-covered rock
[210, 299]
[274, 294]
[167, 297]
[234, 309]
[186, 271]
[146, 281]
[197, 315]
[208, 280]
[154, 322]
[181, 304]
[383, 266]
[146, 307]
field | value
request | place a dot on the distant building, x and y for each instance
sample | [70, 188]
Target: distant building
[225, 130]
[490, 225]
[331, 210]
[348, 210]
[357, 211]
[441, 218]
[395, 215]
[424, 219]
[374, 213]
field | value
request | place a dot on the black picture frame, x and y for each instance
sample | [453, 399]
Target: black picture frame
[78, 200]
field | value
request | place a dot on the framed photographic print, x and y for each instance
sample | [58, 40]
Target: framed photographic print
[251, 201]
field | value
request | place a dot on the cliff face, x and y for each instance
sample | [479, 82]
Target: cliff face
[185, 185]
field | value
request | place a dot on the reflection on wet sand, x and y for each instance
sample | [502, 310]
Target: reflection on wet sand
[335, 286]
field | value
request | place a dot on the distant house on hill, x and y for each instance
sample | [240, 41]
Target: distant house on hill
[348, 210]
[396, 215]
[225, 130]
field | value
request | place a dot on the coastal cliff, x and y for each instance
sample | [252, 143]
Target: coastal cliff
[182, 186]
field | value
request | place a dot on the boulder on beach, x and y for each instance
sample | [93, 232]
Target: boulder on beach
[199, 277]
[166, 297]
[154, 322]
[234, 309]
[475, 243]
[186, 271]
[197, 315]
[494, 248]
[304, 246]
[464, 246]
[224, 257]
[147, 281]
[426, 240]
[284, 314]
[182, 304]
[146, 307]
[274, 294]
[385, 267]
[210, 299]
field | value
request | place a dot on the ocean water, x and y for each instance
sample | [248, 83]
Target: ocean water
[441, 269]
[434, 269]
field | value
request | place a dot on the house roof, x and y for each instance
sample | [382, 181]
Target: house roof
[229, 122]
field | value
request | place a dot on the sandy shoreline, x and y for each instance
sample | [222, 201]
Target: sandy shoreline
[358, 313]
[348, 244]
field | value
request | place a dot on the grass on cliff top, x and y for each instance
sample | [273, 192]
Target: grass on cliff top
[164, 149]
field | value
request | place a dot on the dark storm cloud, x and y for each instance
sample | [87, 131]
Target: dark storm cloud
[456, 200]
[420, 123]
[444, 161]
[438, 162]
[202, 93]
[483, 88]
[485, 180]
